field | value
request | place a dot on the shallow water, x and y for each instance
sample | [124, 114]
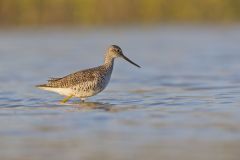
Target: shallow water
[184, 103]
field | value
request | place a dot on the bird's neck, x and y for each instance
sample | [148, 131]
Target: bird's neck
[108, 60]
[108, 64]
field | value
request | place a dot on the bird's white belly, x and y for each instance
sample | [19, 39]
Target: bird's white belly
[61, 91]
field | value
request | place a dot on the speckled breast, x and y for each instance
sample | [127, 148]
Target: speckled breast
[91, 88]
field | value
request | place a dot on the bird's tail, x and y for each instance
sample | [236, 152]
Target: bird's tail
[41, 86]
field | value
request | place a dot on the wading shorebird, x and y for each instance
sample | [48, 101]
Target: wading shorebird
[88, 82]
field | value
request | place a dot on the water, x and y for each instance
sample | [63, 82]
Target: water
[184, 103]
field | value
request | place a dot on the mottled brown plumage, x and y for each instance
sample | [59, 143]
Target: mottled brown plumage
[87, 82]
[77, 77]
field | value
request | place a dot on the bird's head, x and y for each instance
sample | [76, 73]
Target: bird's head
[114, 52]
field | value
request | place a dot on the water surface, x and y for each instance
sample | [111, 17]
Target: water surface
[182, 104]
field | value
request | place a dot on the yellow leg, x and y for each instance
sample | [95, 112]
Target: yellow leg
[66, 99]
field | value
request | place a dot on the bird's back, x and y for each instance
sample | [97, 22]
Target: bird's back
[83, 83]
[87, 75]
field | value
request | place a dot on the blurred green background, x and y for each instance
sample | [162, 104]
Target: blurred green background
[104, 12]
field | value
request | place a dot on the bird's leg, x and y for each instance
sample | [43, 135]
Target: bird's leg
[83, 100]
[66, 99]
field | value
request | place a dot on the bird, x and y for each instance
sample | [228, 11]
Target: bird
[89, 82]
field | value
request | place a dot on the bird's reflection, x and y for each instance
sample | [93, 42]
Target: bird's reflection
[95, 106]
[90, 106]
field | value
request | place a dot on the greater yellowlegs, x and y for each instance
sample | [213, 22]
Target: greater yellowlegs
[86, 83]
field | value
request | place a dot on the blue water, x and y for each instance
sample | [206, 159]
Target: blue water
[184, 103]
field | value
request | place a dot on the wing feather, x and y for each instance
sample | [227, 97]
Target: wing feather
[76, 78]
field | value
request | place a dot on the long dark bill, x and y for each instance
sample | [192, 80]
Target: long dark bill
[124, 57]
